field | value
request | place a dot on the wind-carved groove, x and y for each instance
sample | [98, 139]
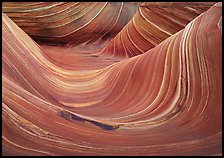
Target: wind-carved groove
[71, 117]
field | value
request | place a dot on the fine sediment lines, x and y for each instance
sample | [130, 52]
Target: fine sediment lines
[70, 22]
[166, 101]
[153, 23]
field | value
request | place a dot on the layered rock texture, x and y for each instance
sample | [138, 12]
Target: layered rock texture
[70, 22]
[112, 78]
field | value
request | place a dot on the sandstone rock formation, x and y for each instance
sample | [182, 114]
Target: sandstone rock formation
[70, 22]
[90, 100]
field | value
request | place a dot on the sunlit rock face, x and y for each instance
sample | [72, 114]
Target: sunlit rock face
[153, 23]
[85, 99]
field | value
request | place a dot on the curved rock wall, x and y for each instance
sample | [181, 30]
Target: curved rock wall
[59, 100]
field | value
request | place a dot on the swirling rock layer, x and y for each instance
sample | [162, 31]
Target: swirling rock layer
[61, 100]
[153, 23]
[70, 22]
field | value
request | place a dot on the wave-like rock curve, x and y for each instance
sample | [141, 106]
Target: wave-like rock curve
[152, 24]
[166, 101]
[70, 22]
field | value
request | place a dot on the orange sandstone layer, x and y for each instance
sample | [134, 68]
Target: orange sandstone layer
[70, 22]
[153, 23]
[166, 101]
